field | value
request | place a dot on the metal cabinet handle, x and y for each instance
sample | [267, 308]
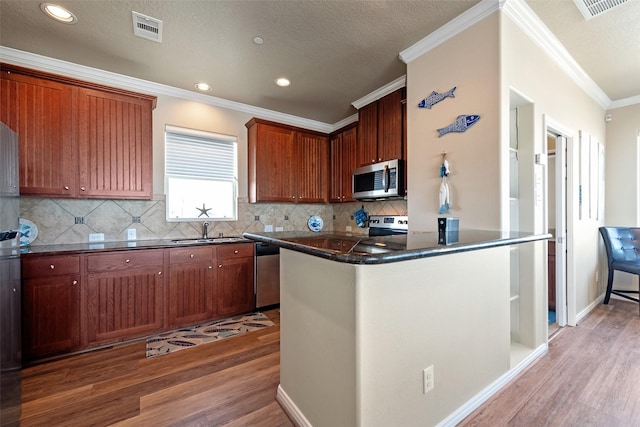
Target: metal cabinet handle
[191, 256]
[66, 187]
[52, 266]
[220, 266]
[127, 261]
[75, 282]
[82, 188]
[159, 273]
[235, 252]
[210, 267]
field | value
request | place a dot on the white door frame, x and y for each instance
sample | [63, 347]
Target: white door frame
[565, 285]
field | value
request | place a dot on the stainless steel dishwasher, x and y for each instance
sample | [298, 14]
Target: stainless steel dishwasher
[267, 275]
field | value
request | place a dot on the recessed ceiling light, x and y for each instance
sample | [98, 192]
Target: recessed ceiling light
[282, 82]
[258, 40]
[58, 13]
[203, 87]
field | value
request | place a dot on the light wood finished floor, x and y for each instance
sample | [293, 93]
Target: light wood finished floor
[228, 383]
[591, 377]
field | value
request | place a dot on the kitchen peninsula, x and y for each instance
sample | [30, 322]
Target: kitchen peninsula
[362, 318]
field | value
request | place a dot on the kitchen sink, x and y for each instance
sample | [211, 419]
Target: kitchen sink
[210, 240]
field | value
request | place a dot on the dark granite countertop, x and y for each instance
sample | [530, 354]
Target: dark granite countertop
[122, 245]
[359, 249]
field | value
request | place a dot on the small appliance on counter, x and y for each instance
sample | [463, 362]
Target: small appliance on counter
[448, 230]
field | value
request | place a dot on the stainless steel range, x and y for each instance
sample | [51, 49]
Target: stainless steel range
[386, 225]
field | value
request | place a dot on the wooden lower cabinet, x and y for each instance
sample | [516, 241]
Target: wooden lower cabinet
[125, 295]
[191, 286]
[77, 302]
[51, 306]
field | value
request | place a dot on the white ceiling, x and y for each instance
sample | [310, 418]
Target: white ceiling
[334, 51]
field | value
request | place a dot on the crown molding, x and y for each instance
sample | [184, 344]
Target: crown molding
[454, 27]
[56, 66]
[533, 27]
[398, 83]
[624, 102]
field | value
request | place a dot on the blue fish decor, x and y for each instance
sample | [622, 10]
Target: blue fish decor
[461, 124]
[436, 97]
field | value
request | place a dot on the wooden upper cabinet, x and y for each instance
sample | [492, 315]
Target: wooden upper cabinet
[78, 139]
[286, 164]
[381, 129]
[39, 111]
[312, 177]
[114, 142]
[343, 147]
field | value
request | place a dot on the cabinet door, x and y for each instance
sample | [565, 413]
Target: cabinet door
[311, 177]
[234, 283]
[368, 134]
[390, 126]
[124, 304]
[271, 151]
[50, 315]
[343, 160]
[191, 286]
[115, 145]
[40, 112]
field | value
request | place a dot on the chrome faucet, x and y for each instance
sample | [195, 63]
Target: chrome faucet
[205, 230]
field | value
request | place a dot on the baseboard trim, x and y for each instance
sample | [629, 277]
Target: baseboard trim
[589, 308]
[291, 409]
[474, 403]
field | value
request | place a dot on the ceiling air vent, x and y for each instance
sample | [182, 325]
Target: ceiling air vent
[147, 27]
[592, 8]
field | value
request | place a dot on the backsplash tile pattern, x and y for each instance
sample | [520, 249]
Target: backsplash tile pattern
[56, 218]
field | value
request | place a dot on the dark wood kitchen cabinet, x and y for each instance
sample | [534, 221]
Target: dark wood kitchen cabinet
[343, 146]
[50, 305]
[287, 164]
[235, 274]
[192, 285]
[125, 295]
[78, 139]
[40, 112]
[381, 129]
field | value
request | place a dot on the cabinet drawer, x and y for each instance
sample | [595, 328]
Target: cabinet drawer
[124, 260]
[235, 251]
[50, 265]
[192, 254]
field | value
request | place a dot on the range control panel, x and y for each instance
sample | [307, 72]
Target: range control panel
[398, 222]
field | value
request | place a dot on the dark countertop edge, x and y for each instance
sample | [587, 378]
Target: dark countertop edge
[386, 258]
[96, 247]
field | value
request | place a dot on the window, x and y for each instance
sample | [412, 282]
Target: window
[201, 178]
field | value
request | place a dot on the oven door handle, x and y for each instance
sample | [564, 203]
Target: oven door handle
[385, 179]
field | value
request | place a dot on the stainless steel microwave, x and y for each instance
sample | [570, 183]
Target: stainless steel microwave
[379, 180]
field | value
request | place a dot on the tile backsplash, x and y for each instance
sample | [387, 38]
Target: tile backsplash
[65, 221]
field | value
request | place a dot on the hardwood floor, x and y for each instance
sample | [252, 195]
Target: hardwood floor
[591, 376]
[229, 383]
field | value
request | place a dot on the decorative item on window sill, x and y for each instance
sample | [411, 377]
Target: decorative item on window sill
[204, 211]
[462, 123]
[436, 97]
[444, 194]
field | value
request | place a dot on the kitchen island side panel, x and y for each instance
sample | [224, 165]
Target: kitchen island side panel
[450, 312]
[317, 338]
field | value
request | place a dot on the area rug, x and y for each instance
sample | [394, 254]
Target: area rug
[169, 342]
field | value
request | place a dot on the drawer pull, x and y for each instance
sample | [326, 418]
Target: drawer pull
[159, 273]
[235, 252]
[127, 261]
[52, 266]
[82, 188]
[75, 282]
[210, 267]
[191, 256]
[220, 266]
[66, 187]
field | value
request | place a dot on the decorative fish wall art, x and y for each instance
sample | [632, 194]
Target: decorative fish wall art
[436, 97]
[462, 123]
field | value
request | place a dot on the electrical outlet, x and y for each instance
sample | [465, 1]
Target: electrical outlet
[131, 234]
[428, 380]
[268, 228]
[96, 237]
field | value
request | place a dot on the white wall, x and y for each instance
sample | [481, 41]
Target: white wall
[468, 61]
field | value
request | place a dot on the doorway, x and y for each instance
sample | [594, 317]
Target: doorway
[557, 155]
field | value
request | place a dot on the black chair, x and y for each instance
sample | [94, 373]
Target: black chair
[623, 254]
